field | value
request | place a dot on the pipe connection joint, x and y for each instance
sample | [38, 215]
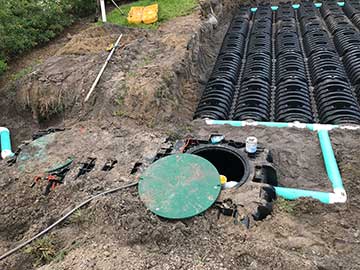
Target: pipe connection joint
[339, 196]
[5, 143]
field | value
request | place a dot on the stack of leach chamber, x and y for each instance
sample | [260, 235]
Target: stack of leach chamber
[292, 99]
[346, 36]
[352, 11]
[217, 97]
[254, 100]
[332, 90]
[307, 63]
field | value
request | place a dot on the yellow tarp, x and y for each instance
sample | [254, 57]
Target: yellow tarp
[147, 15]
[135, 15]
[150, 14]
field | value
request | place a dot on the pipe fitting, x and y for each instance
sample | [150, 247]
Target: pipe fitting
[339, 196]
[5, 143]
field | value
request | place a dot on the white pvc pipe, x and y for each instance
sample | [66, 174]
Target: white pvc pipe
[103, 10]
[103, 69]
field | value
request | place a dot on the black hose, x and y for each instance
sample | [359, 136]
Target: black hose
[62, 219]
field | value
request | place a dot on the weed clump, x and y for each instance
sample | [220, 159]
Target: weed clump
[43, 250]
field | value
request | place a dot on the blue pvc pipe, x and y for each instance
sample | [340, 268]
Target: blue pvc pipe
[331, 166]
[312, 127]
[273, 124]
[243, 123]
[5, 143]
[227, 122]
[294, 193]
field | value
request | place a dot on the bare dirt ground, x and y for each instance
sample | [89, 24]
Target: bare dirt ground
[148, 93]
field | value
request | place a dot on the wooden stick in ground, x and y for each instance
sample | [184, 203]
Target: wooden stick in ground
[121, 12]
[103, 69]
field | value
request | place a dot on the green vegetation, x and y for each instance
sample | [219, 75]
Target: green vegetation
[25, 24]
[3, 67]
[78, 217]
[21, 73]
[120, 102]
[168, 9]
[62, 253]
[286, 206]
[43, 250]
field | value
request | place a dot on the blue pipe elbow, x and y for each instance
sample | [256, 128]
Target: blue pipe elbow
[5, 143]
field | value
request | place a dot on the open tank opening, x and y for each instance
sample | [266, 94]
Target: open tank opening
[228, 161]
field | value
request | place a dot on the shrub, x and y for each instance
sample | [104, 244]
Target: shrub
[3, 66]
[81, 8]
[27, 23]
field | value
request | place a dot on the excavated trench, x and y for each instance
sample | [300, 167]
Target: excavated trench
[149, 86]
[288, 65]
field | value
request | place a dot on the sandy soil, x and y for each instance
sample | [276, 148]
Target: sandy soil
[149, 93]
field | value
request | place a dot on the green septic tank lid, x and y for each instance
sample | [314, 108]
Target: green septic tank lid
[179, 186]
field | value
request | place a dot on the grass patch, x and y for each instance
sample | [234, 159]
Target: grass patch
[131, 74]
[43, 250]
[168, 9]
[21, 74]
[120, 100]
[25, 71]
[60, 256]
[286, 206]
[3, 67]
[78, 217]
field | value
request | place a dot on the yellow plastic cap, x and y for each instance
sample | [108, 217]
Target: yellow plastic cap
[223, 179]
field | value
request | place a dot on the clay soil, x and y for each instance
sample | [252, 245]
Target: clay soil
[148, 94]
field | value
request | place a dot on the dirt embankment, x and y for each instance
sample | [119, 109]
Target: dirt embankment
[154, 76]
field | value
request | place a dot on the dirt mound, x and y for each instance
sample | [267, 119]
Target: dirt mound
[151, 76]
[95, 40]
[56, 85]
[92, 40]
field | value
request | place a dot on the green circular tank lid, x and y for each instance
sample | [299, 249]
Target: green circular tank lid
[179, 186]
